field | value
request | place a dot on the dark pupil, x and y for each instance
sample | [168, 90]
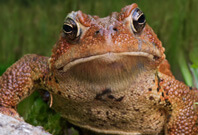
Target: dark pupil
[70, 29]
[67, 28]
[141, 19]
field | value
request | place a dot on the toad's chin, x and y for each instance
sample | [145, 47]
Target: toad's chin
[110, 66]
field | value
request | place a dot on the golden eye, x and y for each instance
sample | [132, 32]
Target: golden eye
[71, 29]
[138, 20]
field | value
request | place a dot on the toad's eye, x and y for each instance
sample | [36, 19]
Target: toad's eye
[138, 20]
[71, 29]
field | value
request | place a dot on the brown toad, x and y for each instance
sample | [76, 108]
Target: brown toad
[108, 75]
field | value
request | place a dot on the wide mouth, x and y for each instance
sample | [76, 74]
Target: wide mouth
[109, 66]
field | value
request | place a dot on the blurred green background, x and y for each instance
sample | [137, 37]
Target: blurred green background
[33, 26]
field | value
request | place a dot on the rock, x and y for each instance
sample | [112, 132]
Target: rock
[12, 126]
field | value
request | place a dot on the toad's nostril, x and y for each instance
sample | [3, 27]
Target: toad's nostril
[97, 32]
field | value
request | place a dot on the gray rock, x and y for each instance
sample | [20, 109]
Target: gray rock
[12, 126]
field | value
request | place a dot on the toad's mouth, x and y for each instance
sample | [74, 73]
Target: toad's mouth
[110, 66]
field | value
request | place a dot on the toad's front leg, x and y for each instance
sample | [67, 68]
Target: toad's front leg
[181, 99]
[20, 80]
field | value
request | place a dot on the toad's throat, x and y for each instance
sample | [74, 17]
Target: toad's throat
[110, 66]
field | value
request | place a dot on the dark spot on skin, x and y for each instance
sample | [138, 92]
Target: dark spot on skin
[120, 99]
[104, 92]
[168, 104]
[123, 113]
[99, 119]
[60, 69]
[43, 78]
[155, 57]
[169, 130]
[151, 98]
[158, 123]
[104, 121]
[38, 81]
[123, 122]
[137, 110]
[111, 107]
[150, 89]
[59, 93]
[158, 83]
[190, 88]
[157, 89]
[161, 80]
[102, 125]
[111, 97]
[108, 118]
[19, 96]
[92, 120]
[74, 109]
[167, 93]
[159, 101]
[56, 80]
[117, 108]
[162, 94]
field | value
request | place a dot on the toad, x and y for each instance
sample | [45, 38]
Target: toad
[108, 75]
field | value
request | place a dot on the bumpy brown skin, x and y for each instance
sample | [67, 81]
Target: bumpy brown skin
[20, 80]
[182, 107]
[71, 74]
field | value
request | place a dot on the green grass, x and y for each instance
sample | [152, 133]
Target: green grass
[37, 112]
